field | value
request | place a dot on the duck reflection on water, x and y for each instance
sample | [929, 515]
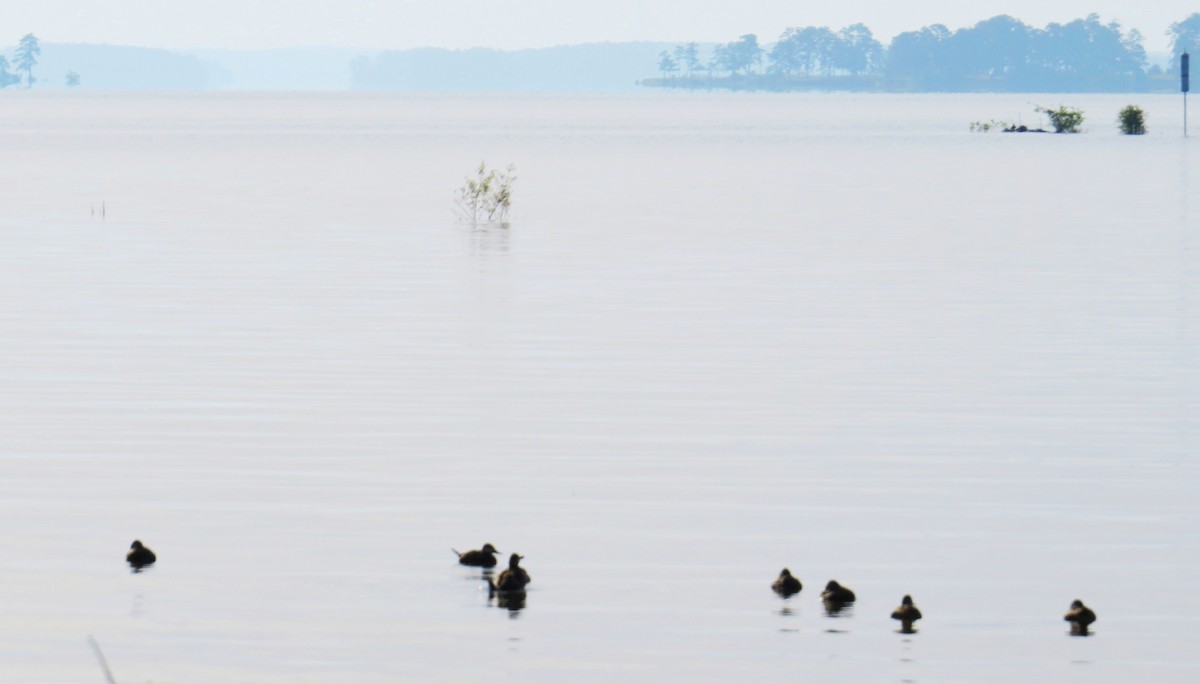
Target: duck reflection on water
[512, 601]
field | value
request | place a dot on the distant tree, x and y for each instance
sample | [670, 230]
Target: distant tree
[807, 50]
[1185, 37]
[7, 78]
[680, 59]
[73, 79]
[1086, 54]
[742, 56]
[785, 58]
[920, 57]
[27, 54]
[716, 61]
[856, 51]
[667, 63]
[993, 53]
[1132, 42]
[687, 57]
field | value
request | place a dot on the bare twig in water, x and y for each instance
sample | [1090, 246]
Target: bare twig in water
[100, 656]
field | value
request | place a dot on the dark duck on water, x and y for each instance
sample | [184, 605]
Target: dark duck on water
[139, 556]
[514, 578]
[480, 558]
[907, 614]
[786, 585]
[1080, 617]
[836, 597]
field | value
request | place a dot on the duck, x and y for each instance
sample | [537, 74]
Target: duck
[786, 585]
[1080, 616]
[514, 578]
[139, 556]
[836, 598]
[480, 558]
[907, 614]
[836, 593]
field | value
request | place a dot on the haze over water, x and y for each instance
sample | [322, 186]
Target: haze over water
[724, 334]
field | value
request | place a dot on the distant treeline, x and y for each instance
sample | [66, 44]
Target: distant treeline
[604, 67]
[998, 54]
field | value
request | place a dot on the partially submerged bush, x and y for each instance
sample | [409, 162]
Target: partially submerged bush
[1003, 127]
[486, 196]
[985, 126]
[1132, 120]
[1064, 119]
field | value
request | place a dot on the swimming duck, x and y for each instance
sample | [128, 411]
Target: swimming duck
[139, 556]
[836, 597]
[512, 579]
[786, 585]
[836, 593]
[1080, 616]
[907, 614]
[481, 558]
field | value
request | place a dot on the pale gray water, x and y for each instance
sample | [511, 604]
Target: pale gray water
[724, 334]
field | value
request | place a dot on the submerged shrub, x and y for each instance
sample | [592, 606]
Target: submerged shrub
[1064, 119]
[486, 196]
[1132, 120]
[985, 126]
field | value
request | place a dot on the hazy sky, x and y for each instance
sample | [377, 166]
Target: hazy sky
[398, 24]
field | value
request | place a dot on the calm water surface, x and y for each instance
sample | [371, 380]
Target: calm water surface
[723, 335]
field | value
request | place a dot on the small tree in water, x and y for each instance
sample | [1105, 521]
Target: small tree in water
[487, 196]
[1064, 119]
[1132, 120]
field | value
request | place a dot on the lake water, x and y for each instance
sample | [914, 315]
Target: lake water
[724, 334]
